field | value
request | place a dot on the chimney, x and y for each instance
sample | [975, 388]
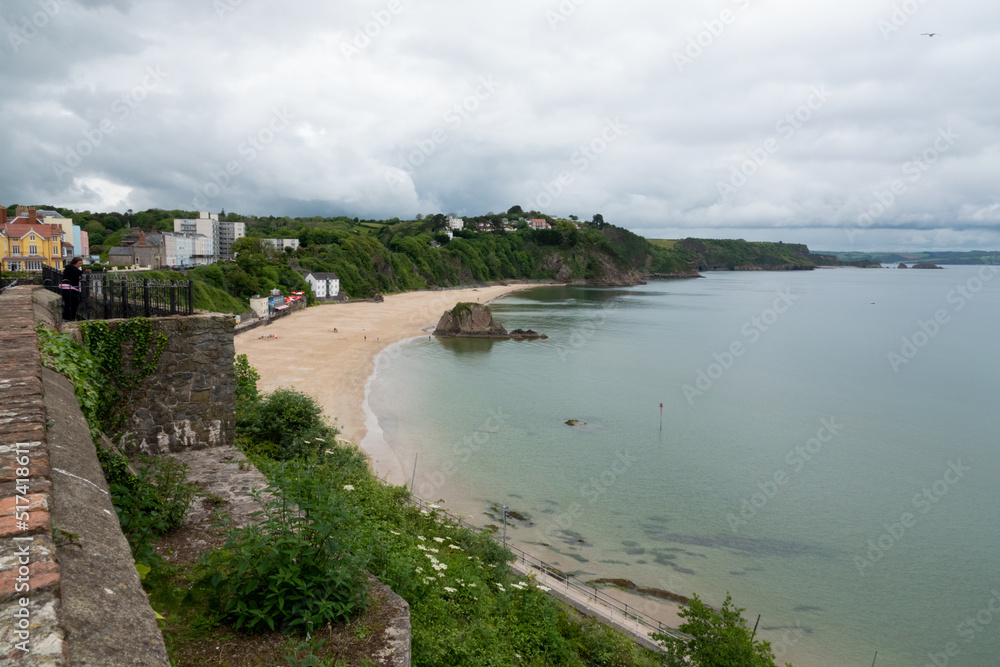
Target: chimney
[3, 215]
[142, 238]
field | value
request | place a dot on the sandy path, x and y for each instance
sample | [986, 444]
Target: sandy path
[334, 368]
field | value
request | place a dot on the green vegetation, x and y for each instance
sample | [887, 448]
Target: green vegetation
[386, 256]
[292, 571]
[210, 289]
[731, 254]
[719, 638]
[328, 516]
[150, 502]
[127, 353]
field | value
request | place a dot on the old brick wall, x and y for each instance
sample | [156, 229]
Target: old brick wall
[29, 573]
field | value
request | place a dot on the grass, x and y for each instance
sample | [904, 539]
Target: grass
[666, 244]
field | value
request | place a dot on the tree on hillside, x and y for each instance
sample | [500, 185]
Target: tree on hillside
[719, 638]
[599, 221]
[515, 210]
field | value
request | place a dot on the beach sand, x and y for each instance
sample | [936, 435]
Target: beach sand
[334, 368]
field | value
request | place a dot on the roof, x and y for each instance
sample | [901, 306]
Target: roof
[323, 276]
[52, 214]
[18, 230]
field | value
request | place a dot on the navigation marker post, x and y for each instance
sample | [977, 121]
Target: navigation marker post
[661, 416]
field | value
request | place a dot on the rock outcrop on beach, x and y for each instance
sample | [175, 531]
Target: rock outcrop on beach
[925, 265]
[902, 265]
[470, 320]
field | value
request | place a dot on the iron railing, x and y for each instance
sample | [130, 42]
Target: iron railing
[106, 296]
[626, 615]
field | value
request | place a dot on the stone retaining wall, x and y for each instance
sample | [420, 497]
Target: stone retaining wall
[190, 401]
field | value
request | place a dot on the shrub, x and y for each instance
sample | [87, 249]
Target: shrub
[282, 425]
[292, 571]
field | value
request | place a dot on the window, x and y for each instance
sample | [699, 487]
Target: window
[15, 250]
[32, 250]
[13, 266]
[32, 266]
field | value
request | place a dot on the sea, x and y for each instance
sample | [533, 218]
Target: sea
[822, 445]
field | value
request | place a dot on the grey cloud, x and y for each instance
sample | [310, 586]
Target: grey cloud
[375, 132]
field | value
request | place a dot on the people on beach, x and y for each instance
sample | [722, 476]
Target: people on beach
[70, 288]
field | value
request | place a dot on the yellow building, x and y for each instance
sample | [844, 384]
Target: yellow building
[27, 243]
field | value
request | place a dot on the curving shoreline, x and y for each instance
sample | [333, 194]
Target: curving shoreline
[336, 368]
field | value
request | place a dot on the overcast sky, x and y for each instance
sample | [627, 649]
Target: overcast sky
[831, 123]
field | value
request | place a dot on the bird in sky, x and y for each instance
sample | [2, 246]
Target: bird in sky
[929, 34]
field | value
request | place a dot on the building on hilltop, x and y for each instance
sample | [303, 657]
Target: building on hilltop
[27, 242]
[539, 223]
[324, 285]
[221, 233]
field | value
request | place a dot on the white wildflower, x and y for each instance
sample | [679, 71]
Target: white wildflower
[450, 589]
[348, 487]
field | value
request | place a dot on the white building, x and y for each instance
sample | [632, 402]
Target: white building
[222, 234]
[204, 249]
[281, 244]
[456, 223]
[324, 285]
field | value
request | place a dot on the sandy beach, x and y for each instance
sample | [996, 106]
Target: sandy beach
[334, 366]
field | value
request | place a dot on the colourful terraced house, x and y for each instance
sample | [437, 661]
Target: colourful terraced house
[27, 243]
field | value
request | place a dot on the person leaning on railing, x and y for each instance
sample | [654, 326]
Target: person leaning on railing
[70, 288]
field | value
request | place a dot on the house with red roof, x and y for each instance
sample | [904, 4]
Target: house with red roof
[27, 243]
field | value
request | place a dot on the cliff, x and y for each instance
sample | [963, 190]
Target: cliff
[740, 255]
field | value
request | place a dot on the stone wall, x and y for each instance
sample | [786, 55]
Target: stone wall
[191, 399]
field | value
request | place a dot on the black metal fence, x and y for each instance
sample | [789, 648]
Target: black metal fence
[106, 296]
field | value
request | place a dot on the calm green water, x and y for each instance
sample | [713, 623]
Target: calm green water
[791, 473]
